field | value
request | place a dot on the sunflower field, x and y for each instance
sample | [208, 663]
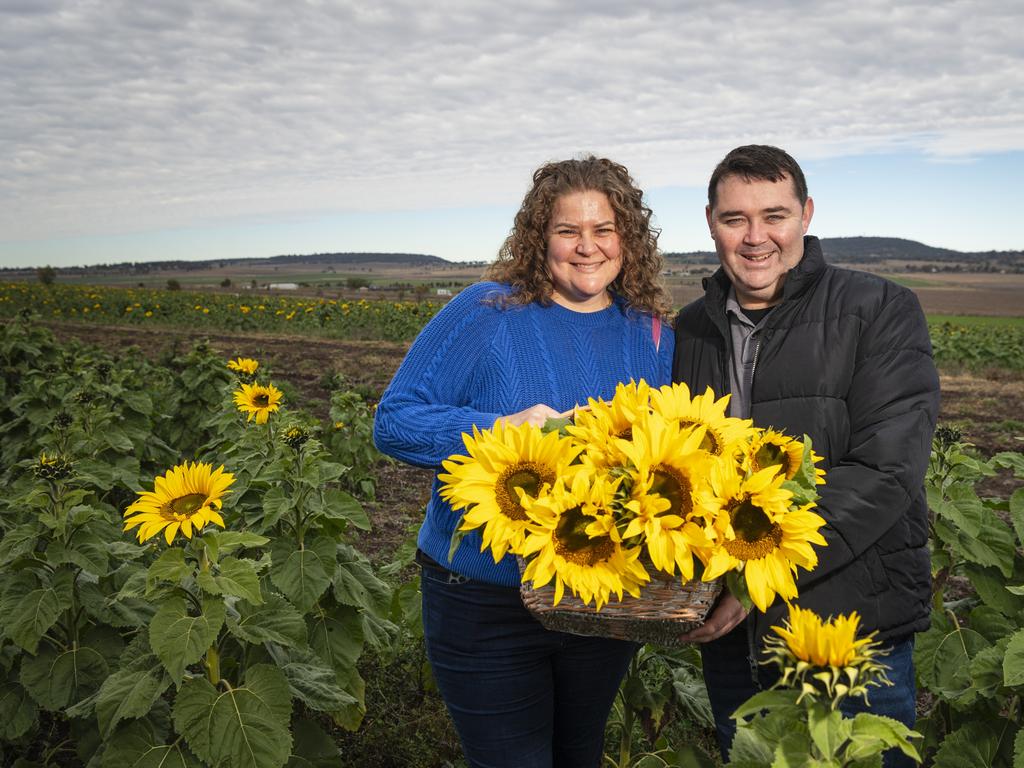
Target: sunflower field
[180, 582]
[973, 345]
[178, 579]
[209, 311]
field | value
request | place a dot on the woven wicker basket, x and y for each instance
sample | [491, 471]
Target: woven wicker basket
[666, 609]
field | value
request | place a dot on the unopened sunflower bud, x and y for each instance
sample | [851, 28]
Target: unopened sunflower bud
[52, 467]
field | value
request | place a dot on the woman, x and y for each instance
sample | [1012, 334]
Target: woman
[573, 307]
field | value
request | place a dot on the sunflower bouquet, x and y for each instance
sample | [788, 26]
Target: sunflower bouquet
[650, 486]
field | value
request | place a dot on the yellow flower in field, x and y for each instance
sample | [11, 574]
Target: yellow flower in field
[258, 401]
[603, 422]
[758, 533]
[504, 464]
[724, 433]
[186, 498]
[667, 468]
[244, 365]
[826, 657]
[573, 541]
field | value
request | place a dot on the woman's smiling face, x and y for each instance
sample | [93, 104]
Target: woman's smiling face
[584, 252]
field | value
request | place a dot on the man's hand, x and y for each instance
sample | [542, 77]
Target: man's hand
[727, 613]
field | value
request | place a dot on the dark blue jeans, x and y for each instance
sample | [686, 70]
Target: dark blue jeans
[520, 696]
[732, 679]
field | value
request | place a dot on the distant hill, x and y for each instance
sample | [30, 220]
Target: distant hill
[851, 250]
[332, 259]
[410, 259]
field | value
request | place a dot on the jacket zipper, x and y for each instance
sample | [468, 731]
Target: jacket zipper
[753, 367]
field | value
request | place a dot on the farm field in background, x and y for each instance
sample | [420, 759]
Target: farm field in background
[160, 354]
[960, 336]
[171, 372]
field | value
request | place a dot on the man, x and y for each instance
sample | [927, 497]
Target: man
[841, 356]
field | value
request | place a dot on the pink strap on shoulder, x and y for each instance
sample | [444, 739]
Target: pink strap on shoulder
[656, 332]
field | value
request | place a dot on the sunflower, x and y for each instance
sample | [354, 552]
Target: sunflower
[775, 449]
[724, 433]
[244, 365]
[770, 448]
[666, 465]
[573, 541]
[505, 465]
[258, 400]
[757, 532]
[601, 423]
[187, 497]
[826, 657]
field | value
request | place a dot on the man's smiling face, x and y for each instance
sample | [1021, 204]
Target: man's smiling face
[758, 227]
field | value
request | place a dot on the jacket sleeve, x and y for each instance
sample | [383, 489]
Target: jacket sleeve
[876, 486]
[429, 403]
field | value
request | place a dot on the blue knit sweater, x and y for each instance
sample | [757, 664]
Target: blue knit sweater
[477, 361]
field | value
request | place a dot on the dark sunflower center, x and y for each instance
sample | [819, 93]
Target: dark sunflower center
[770, 455]
[574, 545]
[626, 434]
[187, 505]
[756, 535]
[527, 476]
[669, 483]
[261, 400]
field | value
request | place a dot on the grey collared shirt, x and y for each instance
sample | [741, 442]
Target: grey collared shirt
[746, 343]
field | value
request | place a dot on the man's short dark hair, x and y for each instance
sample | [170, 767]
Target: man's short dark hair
[758, 162]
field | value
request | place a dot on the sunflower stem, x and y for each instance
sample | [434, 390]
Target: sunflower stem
[626, 742]
[213, 665]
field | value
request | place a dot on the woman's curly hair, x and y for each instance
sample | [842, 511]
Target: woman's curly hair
[522, 260]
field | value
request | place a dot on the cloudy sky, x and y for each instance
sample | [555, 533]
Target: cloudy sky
[172, 129]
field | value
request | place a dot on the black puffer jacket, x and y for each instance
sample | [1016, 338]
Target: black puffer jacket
[846, 359]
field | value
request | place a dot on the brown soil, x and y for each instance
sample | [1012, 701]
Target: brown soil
[988, 409]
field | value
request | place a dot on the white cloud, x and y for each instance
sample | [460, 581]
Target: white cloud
[121, 116]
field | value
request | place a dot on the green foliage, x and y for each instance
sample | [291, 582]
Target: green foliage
[978, 345]
[971, 660]
[662, 704]
[210, 650]
[349, 438]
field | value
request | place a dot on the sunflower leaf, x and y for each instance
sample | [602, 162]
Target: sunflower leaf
[180, 639]
[356, 584]
[313, 747]
[303, 573]
[128, 694]
[315, 683]
[57, 678]
[137, 745]
[274, 621]
[29, 608]
[19, 541]
[243, 726]
[235, 578]
[169, 567]
[339, 505]
[337, 636]
[17, 711]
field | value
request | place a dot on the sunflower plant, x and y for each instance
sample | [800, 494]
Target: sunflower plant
[798, 722]
[653, 480]
[971, 659]
[224, 626]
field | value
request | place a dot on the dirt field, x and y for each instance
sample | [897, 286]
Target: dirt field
[989, 410]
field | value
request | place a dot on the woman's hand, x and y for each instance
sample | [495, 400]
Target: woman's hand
[727, 613]
[536, 415]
